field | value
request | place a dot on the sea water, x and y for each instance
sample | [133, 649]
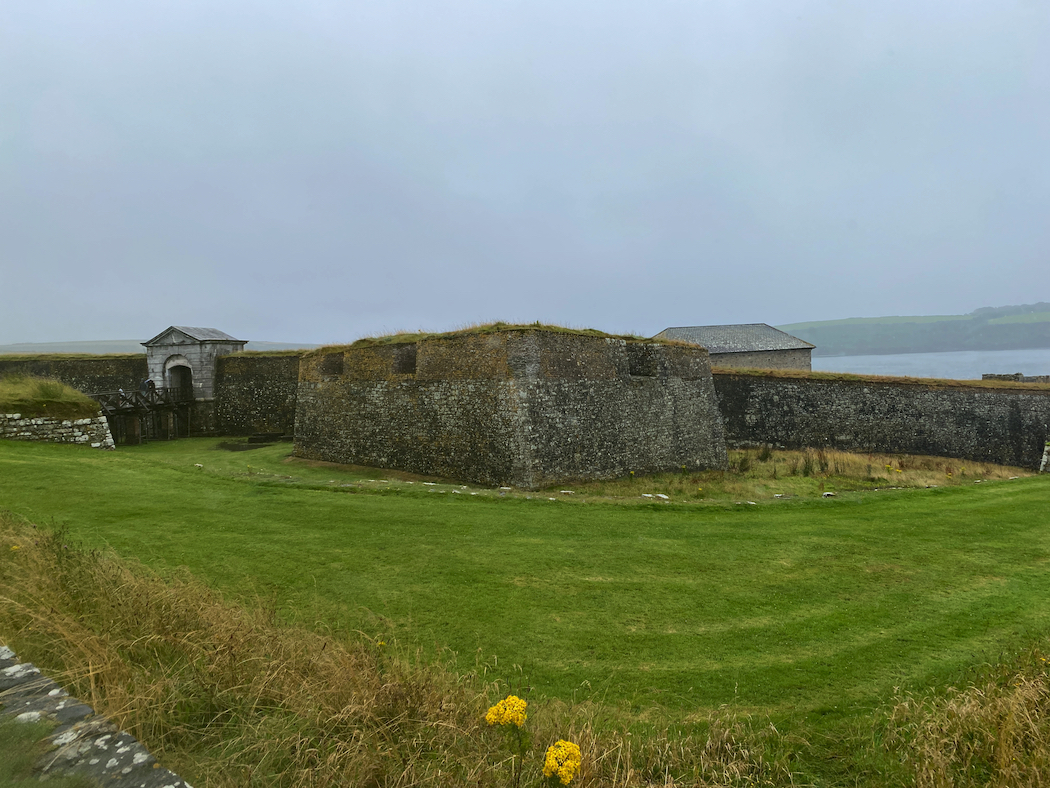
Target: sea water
[960, 364]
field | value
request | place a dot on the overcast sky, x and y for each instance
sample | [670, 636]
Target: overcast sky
[316, 171]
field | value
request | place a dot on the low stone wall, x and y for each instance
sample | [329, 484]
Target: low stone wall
[1017, 377]
[93, 432]
[85, 744]
[1001, 425]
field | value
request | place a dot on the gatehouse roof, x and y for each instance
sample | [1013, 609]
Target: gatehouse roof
[193, 332]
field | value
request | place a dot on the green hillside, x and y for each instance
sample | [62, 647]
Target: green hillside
[987, 328]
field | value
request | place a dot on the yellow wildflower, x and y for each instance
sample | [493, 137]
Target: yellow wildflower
[562, 761]
[510, 711]
[16, 547]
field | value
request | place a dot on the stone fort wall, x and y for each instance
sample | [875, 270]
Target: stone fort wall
[522, 407]
[1003, 425]
[90, 374]
[256, 393]
[512, 395]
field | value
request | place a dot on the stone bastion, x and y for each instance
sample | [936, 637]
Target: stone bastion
[528, 407]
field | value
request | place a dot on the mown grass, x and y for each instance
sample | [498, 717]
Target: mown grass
[31, 396]
[229, 696]
[759, 475]
[804, 613]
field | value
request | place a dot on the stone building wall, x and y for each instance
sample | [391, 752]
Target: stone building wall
[199, 357]
[90, 374]
[521, 407]
[93, 431]
[798, 358]
[1001, 425]
[256, 393]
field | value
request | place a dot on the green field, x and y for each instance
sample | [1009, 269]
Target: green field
[872, 321]
[1031, 317]
[988, 328]
[802, 609]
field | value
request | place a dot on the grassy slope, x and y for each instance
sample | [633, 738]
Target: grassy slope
[31, 396]
[820, 607]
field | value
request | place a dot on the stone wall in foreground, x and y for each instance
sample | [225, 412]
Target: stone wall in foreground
[93, 432]
[1001, 425]
[527, 408]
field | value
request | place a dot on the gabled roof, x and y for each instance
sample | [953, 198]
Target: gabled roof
[745, 338]
[192, 332]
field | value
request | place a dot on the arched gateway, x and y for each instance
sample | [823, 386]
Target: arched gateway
[182, 359]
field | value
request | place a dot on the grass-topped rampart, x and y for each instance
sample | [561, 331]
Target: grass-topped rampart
[265, 353]
[32, 396]
[31, 357]
[407, 337]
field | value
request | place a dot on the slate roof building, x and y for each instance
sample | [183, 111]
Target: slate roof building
[183, 358]
[750, 345]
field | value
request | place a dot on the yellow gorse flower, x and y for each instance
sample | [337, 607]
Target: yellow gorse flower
[562, 761]
[509, 711]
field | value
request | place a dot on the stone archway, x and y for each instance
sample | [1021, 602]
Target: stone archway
[178, 377]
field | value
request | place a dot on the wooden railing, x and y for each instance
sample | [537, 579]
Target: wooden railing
[146, 400]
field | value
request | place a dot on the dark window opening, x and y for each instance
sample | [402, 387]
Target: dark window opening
[405, 360]
[641, 360]
[332, 364]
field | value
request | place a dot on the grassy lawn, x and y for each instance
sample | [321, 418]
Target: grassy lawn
[802, 608]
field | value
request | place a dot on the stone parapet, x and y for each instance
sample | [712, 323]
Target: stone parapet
[84, 744]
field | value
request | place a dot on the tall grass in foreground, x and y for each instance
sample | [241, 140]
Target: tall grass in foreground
[229, 696]
[996, 733]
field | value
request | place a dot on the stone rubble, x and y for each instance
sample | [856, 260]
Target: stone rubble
[85, 744]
